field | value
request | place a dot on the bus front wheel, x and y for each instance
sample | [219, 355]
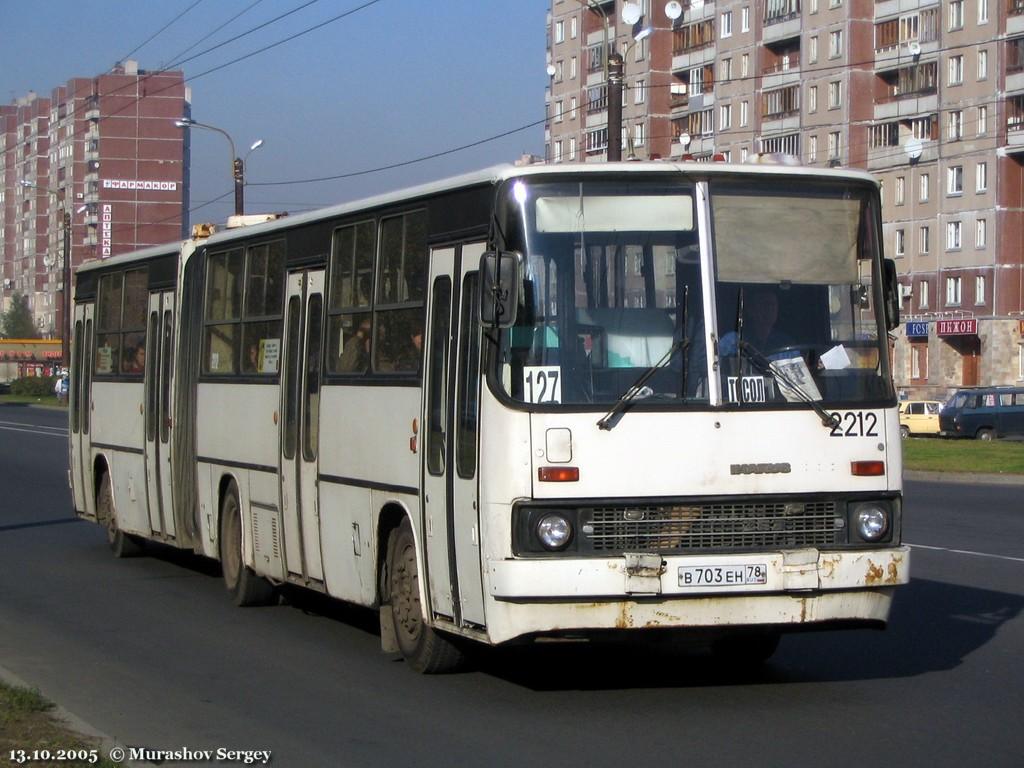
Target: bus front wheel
[424, 648]
[244, 586]
[121, 544]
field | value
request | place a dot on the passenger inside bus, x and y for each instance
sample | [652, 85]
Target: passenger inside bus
[760, 322]
[135, 360]
[355, 358]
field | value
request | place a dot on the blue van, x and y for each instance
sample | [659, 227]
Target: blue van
[984, 413]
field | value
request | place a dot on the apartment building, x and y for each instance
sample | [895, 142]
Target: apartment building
[926, 94]
[101, 157]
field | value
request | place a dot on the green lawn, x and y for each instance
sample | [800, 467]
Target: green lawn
[974, 456]
[28, 399]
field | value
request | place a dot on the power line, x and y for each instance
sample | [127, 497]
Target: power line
[159, 31]
[210, 34]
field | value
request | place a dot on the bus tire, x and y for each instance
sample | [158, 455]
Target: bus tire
[746, 650]
[425, 649]
[121, 544]
[904, 431]
[985, 434]
[244, 586]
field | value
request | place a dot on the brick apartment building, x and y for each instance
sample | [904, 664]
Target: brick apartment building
[102, 153]
[928, 95]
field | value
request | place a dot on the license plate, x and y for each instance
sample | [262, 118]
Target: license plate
[722, 575]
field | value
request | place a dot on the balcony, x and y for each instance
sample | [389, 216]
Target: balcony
[1014, 16]
[781, 20]
[784, 71]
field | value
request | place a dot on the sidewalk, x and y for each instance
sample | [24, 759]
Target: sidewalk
[963, 478]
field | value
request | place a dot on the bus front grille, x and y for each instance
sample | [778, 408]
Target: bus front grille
[732, 526]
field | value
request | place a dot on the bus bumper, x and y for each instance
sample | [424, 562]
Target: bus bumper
[790, 587]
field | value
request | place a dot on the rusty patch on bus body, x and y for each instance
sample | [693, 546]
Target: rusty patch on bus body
[874, 575]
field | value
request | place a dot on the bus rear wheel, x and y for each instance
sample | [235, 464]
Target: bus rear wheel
[424, 648]
[244, 586]
[985, 434]
[121, 544]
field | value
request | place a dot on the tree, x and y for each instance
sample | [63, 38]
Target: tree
[17, 321]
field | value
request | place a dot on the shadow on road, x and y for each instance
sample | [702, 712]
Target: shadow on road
[934, 627]
[38, 524]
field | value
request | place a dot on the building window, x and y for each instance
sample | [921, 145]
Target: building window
[953, 291]
[901, 245]
[835, 94]
[923, 236]
[639, 135]
[812, 49]
[981, 177]
[558, 151]
[558, 111]
[982, 121]
[725, 117]
[744, 153]
[956, 15]
[572, 148]
[573, 27]
[725, 71]
[812, 98]
[982, 12]
[923, 184]
[572, 108]
[745, 19]
[834, 146]
[955, 125]
[980, 233]
[900, 190]
[640, 92]
[952, 240]
[955, 180]
[744, 112]
[922, 292]
[745, 65]
[982, 64]
[812, 6]
[979, 289]
[559, 31]
[572, 68]
[835, 44]
[956, 70]
[919, 361]
[726, 28]
[812, 149]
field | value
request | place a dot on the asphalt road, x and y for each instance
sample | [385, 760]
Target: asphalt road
[150, 651]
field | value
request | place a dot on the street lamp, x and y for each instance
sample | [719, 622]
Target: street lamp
[65, 303]
[237, 163]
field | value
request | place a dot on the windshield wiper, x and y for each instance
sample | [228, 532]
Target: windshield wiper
[634, 392]
[764, 365]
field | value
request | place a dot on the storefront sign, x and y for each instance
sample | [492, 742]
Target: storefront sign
[957, 327]
[137, 184]
[106, 221]
[917, 329]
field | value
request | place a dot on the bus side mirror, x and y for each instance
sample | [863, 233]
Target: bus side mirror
[500, 276]
[891, 291]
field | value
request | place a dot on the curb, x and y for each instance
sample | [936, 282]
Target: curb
[71, 720]
[963, 478]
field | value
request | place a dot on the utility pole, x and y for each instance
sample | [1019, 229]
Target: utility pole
[65, 294]
[615, 69]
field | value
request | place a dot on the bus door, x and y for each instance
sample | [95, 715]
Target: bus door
[450, 408]
[159, 368]
[300, 409]
[80, 405]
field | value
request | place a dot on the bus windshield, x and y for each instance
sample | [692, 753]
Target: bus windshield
[613, 288]
[793, 289]
[611, 281]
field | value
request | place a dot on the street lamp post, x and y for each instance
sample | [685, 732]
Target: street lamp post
[613, 70]
[65, 291]
[237, 163]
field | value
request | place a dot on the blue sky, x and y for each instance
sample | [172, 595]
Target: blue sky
[394, 81]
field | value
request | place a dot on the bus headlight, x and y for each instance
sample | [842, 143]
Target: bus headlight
[872, 521]
[554, 531]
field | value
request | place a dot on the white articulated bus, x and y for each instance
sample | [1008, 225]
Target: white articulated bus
[524, 403]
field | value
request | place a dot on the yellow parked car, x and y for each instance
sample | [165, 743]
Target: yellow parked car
[919, 417]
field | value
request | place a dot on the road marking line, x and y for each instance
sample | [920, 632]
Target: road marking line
[969, 552]
[61, 435]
